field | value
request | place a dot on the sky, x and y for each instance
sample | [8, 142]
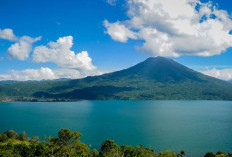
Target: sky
[51, 39]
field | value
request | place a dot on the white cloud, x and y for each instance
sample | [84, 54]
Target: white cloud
[30, 74]
[44, 73]
[60, 53]
[224, 74]
[174, 27]
[22, 48]
[119, 32]
[70, 65]
[7, 34]
[112, 2]
[5, 77]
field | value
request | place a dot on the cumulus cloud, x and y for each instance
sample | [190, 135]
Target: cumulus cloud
[23, 46]
[174, 27]
[119, 32]
[224, 74]
[30, 74]
[59, 52]
[7, 34]
[69, 64]
[21, 49]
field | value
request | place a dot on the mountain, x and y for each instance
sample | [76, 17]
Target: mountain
[156, 78]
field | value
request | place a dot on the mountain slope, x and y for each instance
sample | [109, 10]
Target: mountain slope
[155, 78]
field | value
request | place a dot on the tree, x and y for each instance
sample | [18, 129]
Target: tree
[80, 149]
[42, 149]
[68, 144]
[35, 139]
[167, 153]
[220, 154]
[230, 154]
[66, 136]
[11, 134]
[138, 151]
[209, 154]
[23, 136]
[94, 153]
[3, 138]
[10, 144]
[108, 145]
[23, 150]
[109, 148]
[182, 153]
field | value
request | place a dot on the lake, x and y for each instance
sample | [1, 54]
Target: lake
[194, 126]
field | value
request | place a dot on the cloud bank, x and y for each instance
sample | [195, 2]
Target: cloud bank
[224, 74]
[30, 74]
[44, 73]
[174, 27]
[69, 64]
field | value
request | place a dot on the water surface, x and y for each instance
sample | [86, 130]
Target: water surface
[194, 126]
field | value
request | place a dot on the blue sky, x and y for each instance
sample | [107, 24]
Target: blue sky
[84, 21]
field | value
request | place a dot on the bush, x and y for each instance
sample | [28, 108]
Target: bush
[23, 136]
[3, 138]
[209, 154]
[11, 134]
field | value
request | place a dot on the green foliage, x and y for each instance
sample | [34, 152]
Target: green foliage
[181, 154]
[41, 149]
[66, 136]
[139, 151]
[3, 138]
[94, 153]
[108, 145]
[209, 154]
[10, 144]
[68, 144]
[11, 134]
[220, 154]
[167, 153]
[23, 136]
[34, 139]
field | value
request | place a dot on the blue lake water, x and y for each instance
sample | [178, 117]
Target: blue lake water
[194, 126]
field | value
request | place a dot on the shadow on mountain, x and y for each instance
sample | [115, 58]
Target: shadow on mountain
[89, 93]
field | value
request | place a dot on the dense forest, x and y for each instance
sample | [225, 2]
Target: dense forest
[154, 79]
[68, 144]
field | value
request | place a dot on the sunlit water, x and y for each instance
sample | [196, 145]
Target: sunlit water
[194, 126]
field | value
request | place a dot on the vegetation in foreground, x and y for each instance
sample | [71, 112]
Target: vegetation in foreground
[68, 144]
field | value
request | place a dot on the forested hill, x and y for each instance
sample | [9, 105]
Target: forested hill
[156, 78]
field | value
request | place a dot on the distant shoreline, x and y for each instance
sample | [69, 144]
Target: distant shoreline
[110, 100]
